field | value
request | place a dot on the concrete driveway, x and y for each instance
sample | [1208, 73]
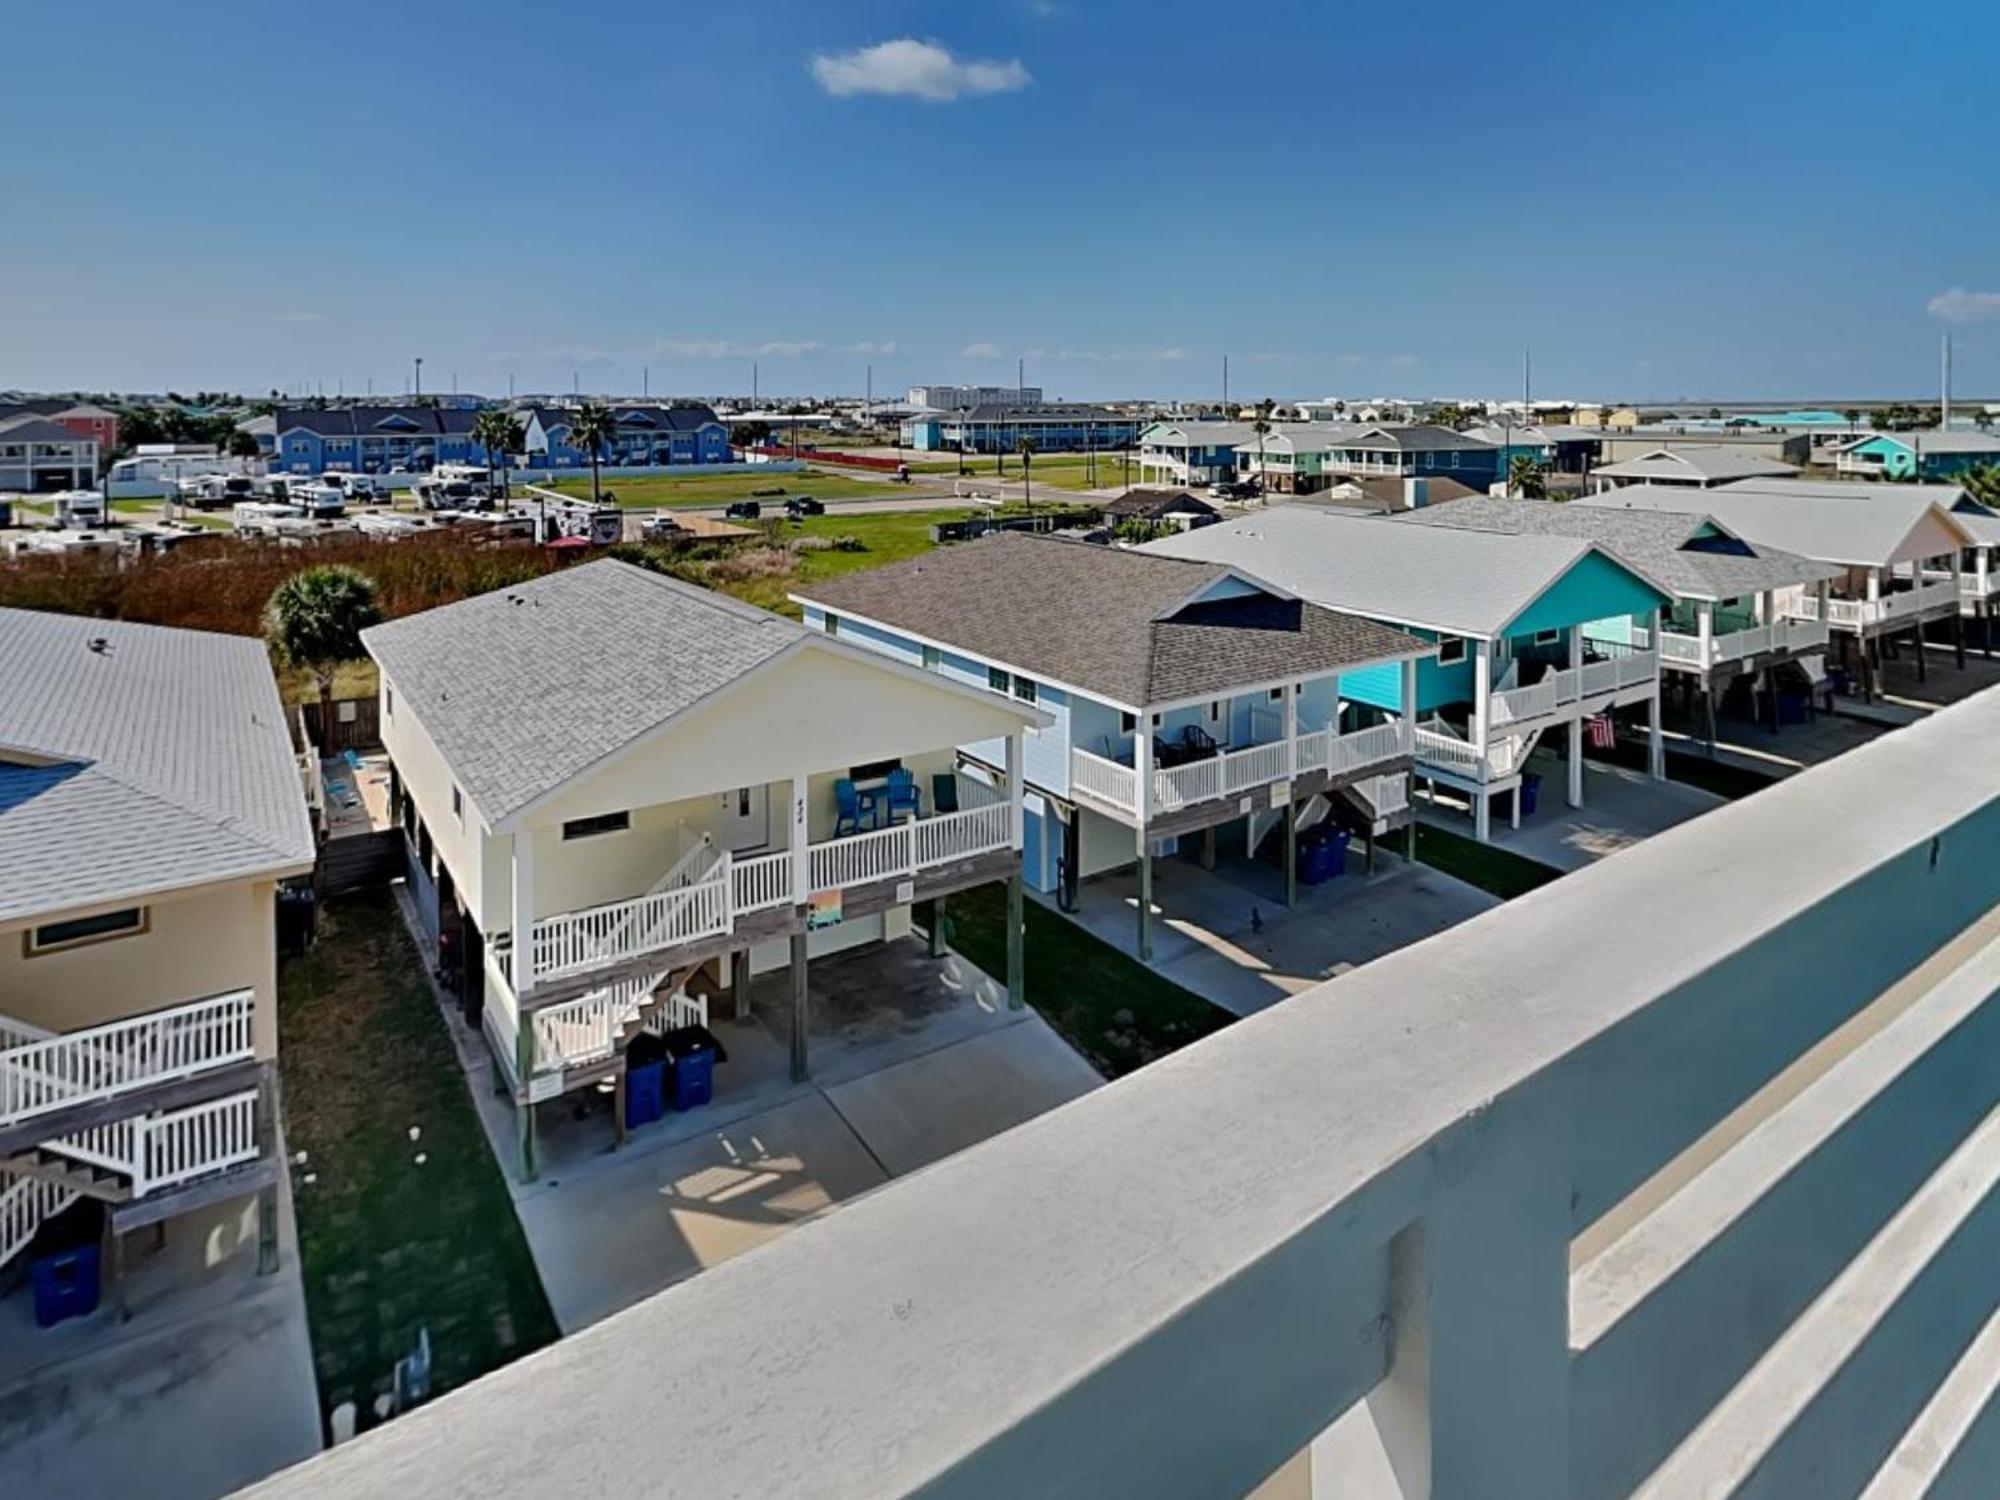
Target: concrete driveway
[913, 1058]
[1621, 808]
[206, 1389]
[1227, 936]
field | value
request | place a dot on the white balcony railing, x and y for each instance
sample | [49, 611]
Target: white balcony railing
[1233, 772]
[48, 1073]
[1904, 604]
[1565, 690]
[577, 942]
[1790, 633]
[1452, 756]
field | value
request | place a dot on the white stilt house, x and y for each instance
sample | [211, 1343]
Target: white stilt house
[612, 782]
[1523, 628]
[150, 804]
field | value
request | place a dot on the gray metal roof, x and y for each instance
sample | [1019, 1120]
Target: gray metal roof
[136, 760]
[1710, 464]
[1471, 583]
[1115, 622]
[1689, 551]
[1980, 520]
[1856, 532]
[523, 688]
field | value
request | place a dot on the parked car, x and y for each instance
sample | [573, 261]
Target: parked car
[743, 510]
[662, 528]
[804, 505]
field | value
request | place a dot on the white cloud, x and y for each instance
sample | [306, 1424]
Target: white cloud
[1175, 353]
[1960, 306]
[730, 349]
[869, 346]
[981, 351]
[914, 69]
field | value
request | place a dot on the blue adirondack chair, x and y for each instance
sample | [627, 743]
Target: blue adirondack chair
[904, 796]
[847, 808]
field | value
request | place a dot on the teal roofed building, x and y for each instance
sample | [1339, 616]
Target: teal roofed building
[1918, 455]
[1535, 636]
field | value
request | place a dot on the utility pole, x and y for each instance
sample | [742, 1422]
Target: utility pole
[646, 380]
[417, 381]
[871, 389]
[510, 385]
[1944, 402]
[1527, 384]
[1020, 382]
[753, 385]
[1225, 388]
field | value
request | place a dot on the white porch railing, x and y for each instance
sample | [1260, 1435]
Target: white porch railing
[1787, 634]
[1106, 780]
[1233, 772]
[49, 1073]
[165, 1150]
[1384, 795]
[1855, 614]
[1456, 757]
[1568, 687]
[727, 889]
[24, 1203]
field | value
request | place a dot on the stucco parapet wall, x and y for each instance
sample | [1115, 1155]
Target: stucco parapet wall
[979, 1324]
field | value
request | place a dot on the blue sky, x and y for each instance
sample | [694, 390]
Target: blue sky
[1727, 200]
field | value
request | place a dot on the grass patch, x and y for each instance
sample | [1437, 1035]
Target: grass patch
[1500, 871]
[654, 491]
[1114, 1010]
[390, 1247]
[764, 575]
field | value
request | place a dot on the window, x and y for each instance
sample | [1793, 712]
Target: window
[1215, 713]
[1127, 723]
[129, 922]
[458, 806]
[1451, 648]
[586, 828]
[833, 624]
[932, 658]
[1547, 637]
[1024, 689]
[997, 679]
[389, 702]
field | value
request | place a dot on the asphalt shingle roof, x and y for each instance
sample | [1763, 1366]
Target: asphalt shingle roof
[1710, 464]
[136, 759]
[1113, 621]
[1855, 532]
[523, 688]
[1675, 547]
[376, 421]
[1439, 578]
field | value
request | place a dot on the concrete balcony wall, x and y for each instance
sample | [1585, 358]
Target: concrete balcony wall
[1676, 1176]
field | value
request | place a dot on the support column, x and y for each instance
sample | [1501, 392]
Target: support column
[523, 980]
[1485, 1270]
[524, 1109]
[1409, 706]
[1291, 849]
[1142, 759]
[937, 927]
[1017, 917]
[801, 841]
[1575, 764]
[800, 1068]
[1208, 847]
[1482, 709]
[267, 1197]
[739, 982]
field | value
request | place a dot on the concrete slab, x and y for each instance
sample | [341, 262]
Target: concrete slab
[208, 1387]
[920, 1111]
[1227, 936]
[642, 1220]
[1620, 808]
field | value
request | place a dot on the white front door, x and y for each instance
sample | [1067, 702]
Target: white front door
[746, 818]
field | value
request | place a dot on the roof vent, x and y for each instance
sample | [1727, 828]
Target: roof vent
[99, 646]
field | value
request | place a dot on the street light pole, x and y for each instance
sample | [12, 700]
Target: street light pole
[417, 384]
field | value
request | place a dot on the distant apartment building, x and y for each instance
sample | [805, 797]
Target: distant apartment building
[371, 439]
[81, 417]
[999, 428]
[1918, 455]
[646, 437]
[954, 397]
[38, 454]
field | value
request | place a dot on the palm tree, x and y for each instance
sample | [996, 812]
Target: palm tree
[591, 426]
[1853, 415]
[500, 433]
[314, 620]
[1983, 420]
[1026, 448]
[1982, 483]
[1262, 425]
[1524, 478]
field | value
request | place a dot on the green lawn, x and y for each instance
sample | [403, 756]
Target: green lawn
[885, 537]
[1115, 1011]
[1499, 871]
[1058, 471]
[715, 490]
[392, 1244]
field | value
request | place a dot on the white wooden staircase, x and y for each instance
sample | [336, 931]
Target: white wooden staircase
[58, 1076]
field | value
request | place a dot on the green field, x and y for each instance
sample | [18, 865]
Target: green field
[762, 577]
[716, 490]
[1071, 471]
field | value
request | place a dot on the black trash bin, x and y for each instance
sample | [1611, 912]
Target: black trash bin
[297, 912]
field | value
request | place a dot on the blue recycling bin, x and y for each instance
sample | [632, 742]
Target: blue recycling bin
[692, 1053]
[1322, 853]
[1531, 786]
[645, 1093]
[66, 1266]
